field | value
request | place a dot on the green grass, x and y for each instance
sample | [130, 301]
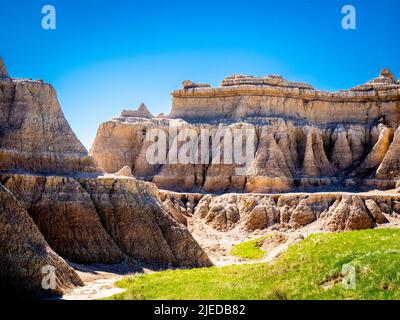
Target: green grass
[249, 250]
[311, 269]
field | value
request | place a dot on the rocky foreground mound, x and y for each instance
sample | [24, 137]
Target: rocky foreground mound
[305, 140]
[55, 206]
[24, 252]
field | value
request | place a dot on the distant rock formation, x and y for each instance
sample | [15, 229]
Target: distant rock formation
[187, 84]
[305, 139]
[3, 70]
[34, 134]
[385, 81]
[141, 112]
[254, 99]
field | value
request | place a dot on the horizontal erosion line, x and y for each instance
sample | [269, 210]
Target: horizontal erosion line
[309, 97]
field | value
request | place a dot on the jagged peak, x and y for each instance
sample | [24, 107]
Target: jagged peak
[384, 81]
[140, 112]
[386, 73]
[3, 69]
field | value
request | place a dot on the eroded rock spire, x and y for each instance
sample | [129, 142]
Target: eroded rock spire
[141, 112]
[3, 70]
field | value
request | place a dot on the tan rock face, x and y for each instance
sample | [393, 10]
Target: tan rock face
[375, 212]
[389, 168]
[24, 252]
[135, 219]
[287, 157]
[66, 216]
[34, 134]
[54, 204]
[105, 220]
[305, 140]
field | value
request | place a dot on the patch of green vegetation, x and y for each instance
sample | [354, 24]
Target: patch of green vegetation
[311, 269]
[250, 250]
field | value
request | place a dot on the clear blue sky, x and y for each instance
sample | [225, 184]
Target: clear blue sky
[108, 55]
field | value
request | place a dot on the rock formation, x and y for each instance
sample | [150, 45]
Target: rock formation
[3, 70]
[337, 212]
[34, 134]
[305, 139]
[54, 196]
[187, 84]
[24, 253]
[141, 112]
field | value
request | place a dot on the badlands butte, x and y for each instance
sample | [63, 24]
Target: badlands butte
[322, 161]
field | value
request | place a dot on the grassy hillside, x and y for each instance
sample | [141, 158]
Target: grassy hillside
[311, 269]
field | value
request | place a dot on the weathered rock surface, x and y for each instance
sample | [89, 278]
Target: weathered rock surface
[187, 84]
[124, 172]
[305, 139]
[105, 220]
[337, 212]
[34, 134]
[24, 252]
[57, 200]
[135, 219]
[141, 112]
[66, 216]
[389, 168]
[242, 97]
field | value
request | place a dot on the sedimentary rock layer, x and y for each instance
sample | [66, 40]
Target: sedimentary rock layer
[34, 134]
[303, 139]
[24, 253]
[244, 97]
[105, 220]
[55, 197]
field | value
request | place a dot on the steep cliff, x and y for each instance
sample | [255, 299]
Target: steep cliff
[34, 134]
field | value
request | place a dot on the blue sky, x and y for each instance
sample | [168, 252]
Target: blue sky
[108, 55]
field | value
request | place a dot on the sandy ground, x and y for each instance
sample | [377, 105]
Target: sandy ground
[100, 279]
